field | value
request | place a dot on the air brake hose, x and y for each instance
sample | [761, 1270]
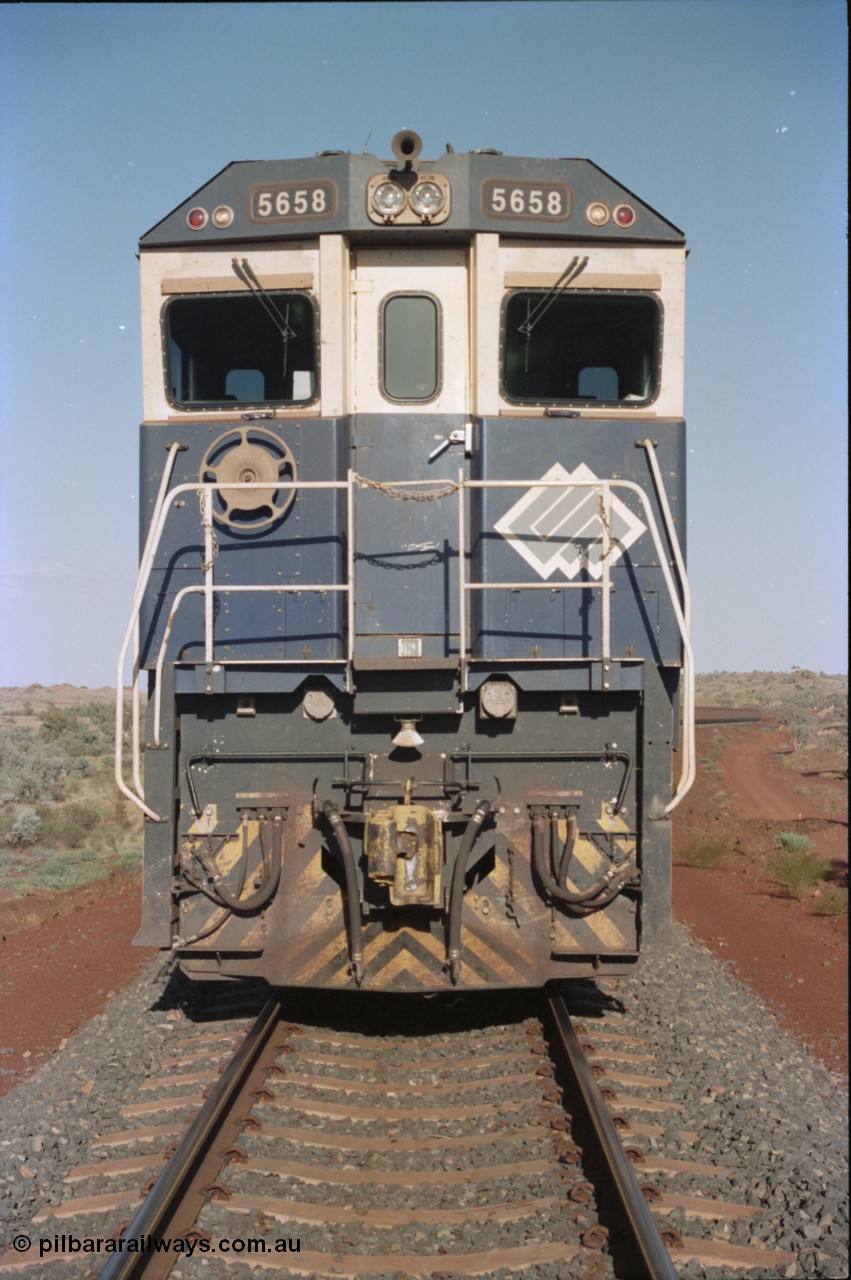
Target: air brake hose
[265, 891]
[456, 893]
[598, 895]
[344, 844]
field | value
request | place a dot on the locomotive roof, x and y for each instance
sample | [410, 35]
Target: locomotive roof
[336, 185]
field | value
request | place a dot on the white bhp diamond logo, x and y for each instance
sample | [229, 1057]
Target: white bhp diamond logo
[563, 527]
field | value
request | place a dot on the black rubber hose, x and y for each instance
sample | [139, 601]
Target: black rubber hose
[600, 893]
[344, 844]
[456, 892]
[265, 891]
[569, 845]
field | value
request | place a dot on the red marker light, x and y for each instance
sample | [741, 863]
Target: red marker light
[196, 218]
[624, 215]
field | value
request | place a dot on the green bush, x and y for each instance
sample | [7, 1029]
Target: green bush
[793, 842]
[56, 722]
[797, 872]
[833, 902]
[65, 870]
[703, 853]
[31, 769]
[130, 857]
[25, 829]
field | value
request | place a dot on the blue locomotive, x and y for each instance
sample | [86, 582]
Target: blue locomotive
[410, 636]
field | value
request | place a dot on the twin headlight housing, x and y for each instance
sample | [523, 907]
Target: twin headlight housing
[427, 201]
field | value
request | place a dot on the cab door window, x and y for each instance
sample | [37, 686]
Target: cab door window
[409, 344]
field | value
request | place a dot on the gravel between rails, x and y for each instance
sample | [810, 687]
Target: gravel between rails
[757, 1099]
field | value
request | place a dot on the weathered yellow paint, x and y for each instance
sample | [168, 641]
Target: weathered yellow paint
[608, 933]
[496, 964]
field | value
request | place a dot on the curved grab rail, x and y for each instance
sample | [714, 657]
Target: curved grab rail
[201, 589]
[688, 740]
[165, 500]
[132, 635]
[687, 773]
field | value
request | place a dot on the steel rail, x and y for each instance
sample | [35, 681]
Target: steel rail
[653, 1261]
[159, 1206]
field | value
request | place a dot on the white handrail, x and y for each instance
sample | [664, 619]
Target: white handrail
[687, 774]
[132, 633]
[165, 500]
[202, 588]
[689, 771]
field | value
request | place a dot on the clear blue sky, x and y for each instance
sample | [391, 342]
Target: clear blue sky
[728, 116]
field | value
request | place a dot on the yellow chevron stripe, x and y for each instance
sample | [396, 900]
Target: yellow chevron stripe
[308, 878]
[381, 941]
[230, 853]
[499, 876]
[317, 960]
[495, 962]
[403, 963]
[573, 934]
[606, 930]
[588, 857]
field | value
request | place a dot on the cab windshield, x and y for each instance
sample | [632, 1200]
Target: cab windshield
[226, 348]
[580, 347]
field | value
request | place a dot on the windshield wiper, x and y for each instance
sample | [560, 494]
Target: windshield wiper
[570, 273]
[245, 272]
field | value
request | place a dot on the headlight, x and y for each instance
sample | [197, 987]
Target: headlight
[388, 199]
[427, 199]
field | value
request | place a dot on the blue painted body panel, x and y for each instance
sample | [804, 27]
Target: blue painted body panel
[567, 623]
[306, 546]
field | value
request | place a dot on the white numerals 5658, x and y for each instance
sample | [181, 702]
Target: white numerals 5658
[288, 200]
[520, 200]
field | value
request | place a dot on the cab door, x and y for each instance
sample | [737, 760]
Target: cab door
[410, 373]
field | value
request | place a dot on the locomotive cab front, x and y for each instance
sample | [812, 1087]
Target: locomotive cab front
[411, 623]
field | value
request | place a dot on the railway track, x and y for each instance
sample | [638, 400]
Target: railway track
[342, 1140]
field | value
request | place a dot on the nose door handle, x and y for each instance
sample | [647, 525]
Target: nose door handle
[454, 437]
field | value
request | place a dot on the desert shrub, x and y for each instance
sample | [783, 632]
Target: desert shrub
[56, 830]
[130, 857]
[25, 828]
[793, 842]
[30, 769]
[69, 826]
[66, 870]
[833, 902]
[703, 853]
[57, 722]
[812, 705]
[797, 872]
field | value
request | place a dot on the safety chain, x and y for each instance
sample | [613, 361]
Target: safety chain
[207, 526]
[510, 908]
[406, 495]
[609, 545]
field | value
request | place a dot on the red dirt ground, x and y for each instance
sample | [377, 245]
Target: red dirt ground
[794, 958]
[64, 955]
